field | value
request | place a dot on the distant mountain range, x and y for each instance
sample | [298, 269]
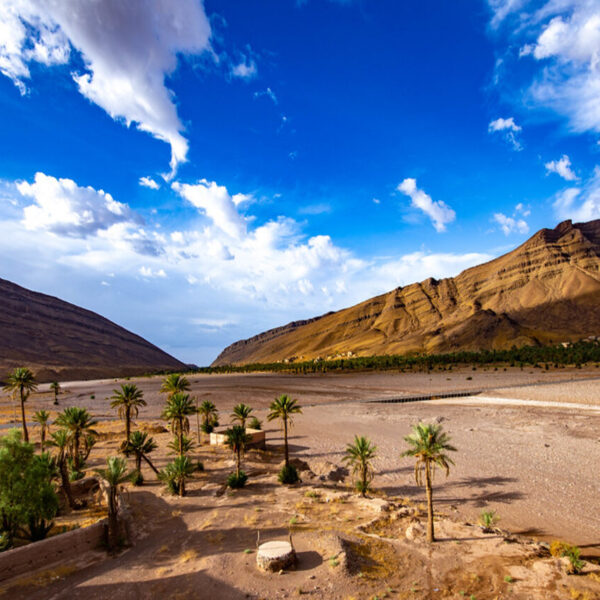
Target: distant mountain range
[58, 340]
[545, 291]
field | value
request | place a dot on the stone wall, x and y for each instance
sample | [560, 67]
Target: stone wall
[58, 548]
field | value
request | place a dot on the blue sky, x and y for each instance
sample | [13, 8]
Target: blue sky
[199, 173]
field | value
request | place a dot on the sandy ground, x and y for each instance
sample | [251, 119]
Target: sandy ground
[532, 462]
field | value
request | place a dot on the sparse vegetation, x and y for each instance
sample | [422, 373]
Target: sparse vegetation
[179, 407]
[22, 382]
[140, 445]
[241, 413]
[429, 445]
[78, 424]
[56, 389]
[360, 455]
[288, 474]
[254, 423]
[127, 401]
[41, 418]
[209, 414]
[237, 439]
[175, 474]
[487, 520]
[283, 408]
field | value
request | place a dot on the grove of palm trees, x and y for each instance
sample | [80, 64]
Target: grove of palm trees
[379, 500]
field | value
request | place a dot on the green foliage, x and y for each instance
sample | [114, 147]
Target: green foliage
[283, 408]
[41, 418]
[487, 520]
[28, 502]
[176, 473]
[175, 383]
[177, 410]
[140, 445]
[209, 414]
[78, 424]
[576, 353]
[288, 475]
[21, 382]
[237, 480]
[241, 412]
[127, 401]
[237, 439]
[360, 455]
[562, 549]
[181, 445]
[254, 423]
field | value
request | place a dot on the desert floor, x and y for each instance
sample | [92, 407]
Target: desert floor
[528, 448]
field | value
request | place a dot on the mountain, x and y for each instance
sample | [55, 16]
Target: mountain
[58, 340]
[546, 290]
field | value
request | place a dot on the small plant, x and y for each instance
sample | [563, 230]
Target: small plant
[487, 520]
[293, 521]
[199, 466]
[311, 494]
[254, 423]
[333, 561]
[237, 480]
[247, 551]
[288, 475]
[508, 579]
[573, 553]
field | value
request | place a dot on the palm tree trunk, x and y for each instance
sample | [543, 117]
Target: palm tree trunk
[113, 523]
[287, 458]
[430, 533]
[25, 432]
[182, 486]
[43, 437]
[238, 460]
[364, 480]
[127, 424]
[180, 437]
[66, 484]
[150, 464]
[76, 451]
[56, 397]
[138, 464]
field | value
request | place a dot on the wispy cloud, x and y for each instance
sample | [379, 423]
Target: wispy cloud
[269, 93]
[438, 211]
[562, 167]
[508, 129]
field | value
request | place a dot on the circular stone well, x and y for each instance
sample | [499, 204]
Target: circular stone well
[274, 556]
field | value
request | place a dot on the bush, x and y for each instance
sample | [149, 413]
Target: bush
[560, 549]
[206, 428]
[237, 481]
[137, 478]
[362, 487]
[254, 423]
[288, 475]
[487, 520]
[199, 466]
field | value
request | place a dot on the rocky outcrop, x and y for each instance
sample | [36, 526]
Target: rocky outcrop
[546, 290]
[58, 340]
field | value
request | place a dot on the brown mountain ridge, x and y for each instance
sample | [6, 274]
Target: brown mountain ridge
[545, 291]
[58, 340]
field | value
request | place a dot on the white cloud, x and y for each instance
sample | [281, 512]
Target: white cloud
[438, 211]
[149, 183]
[269, 93]
[562, 38]
[509, 130]
[562, 167]
[580, 203]
[128, 50]
[521, 208]
[226, 269]
[511, 224]
[217, 203]
[149, 273]
[245, 70]
[62, 207]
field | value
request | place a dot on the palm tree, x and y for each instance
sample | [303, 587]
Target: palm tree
[21, 380]
[179, 407]
[128, 400]
[240, 413]
[175, 474]
[283, 408]
[55, 387]
[60, 440]
[209, 414]
[175, 384]
[237, 438]
[115, 475]
[429, 445]
[140, 445]
[79, 425]
[359, 455]
[41, 417]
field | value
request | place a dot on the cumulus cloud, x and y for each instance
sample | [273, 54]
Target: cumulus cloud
[217, 203]
[562, 38]
[562, 167]
[149, 183]
[511, 224]
[508, 129]
[245, 70]
[438, 211]
[128, 49]
[581, 203]
[62, 207]
[219, 270]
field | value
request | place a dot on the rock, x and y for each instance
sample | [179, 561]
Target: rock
[275, 556]
[414, 531]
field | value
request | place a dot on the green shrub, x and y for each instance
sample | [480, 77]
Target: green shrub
[137, 478]
[254, 423]
[199, 466]
[487, 520]
[207, 428]
[362, 487]
[288, 475]
[237, 481]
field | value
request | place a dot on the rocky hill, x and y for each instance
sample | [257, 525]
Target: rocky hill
[58, 340]
[546, 290]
